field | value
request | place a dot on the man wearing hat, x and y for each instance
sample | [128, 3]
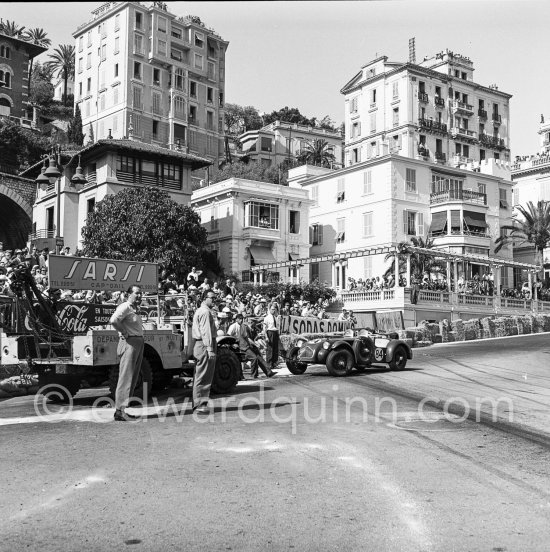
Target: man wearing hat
[261, 307]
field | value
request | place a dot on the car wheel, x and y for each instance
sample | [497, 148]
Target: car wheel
[399, 359]
[227, 373]
[339, 362]
[295, 367]
[364, 352]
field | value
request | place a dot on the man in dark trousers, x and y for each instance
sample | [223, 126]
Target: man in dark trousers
[272, 333]
[127, 321]
[205, 349]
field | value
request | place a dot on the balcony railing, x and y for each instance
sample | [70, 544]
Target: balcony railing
[462, 107]
[430, 124]
[497, 119]
[43, 233]
[423, 97]
[439, 101]
[440, 156]
[460, 233]
[482, 113]
[468, 196]
[491, 141]
[464, 132]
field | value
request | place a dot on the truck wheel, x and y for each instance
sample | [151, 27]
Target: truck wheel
[58, 388]
[295, 367]
[339, 362]
[161, 379]
[227, 372]
[399, 359]
[144, 384]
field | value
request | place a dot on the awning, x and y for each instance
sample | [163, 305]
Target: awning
[293, 256]
[439, 221]
[477, 220]
[262, 255]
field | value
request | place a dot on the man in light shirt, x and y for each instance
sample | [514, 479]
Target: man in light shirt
[127, 321]
[272, 333]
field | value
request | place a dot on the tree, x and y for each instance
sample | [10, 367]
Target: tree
[10, 28]
[42, 90]
[531, 226]
[252, 171]
[74, 132]
[239, 119]
[91, 138]
[327, 123]
[63, 64]
[317, 152]
[145, 224]
[420, 262]
[289, 115]
[36, 36]
[20, 147]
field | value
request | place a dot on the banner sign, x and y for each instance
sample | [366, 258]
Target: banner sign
[389, 321]
[80, 317]
[300, 325]
[66, 272]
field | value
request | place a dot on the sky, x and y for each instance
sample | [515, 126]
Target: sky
[300, 54]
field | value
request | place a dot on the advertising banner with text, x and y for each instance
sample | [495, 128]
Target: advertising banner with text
[300, 325]
[66, 272]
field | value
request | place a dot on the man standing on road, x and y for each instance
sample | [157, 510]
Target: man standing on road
[272, 333]
[127, 321]
[204, 333]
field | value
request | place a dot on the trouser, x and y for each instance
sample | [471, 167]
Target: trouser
[272, 349]
[204, 374]
[414, 293]
[130, 352]
[255, 361]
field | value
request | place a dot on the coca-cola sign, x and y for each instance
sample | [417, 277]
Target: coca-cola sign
[78, 318]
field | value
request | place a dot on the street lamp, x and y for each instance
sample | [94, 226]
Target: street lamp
[52, 175]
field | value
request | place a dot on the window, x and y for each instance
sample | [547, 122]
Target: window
[89, 41]
[156, 103]
[115, 96]
[138, 21]
[138, 44]
[367, 182]
[155, 130]
[367, 266]
[464, 76]
[179, 107]
[373, 98]
[340, 230]
[481, 188]
[176, 33]
[117, 21]
[116, 70]
[209, 94]
[192, 89]
[161, 47]
[193, 114]
[137, 98]
[413, 223]
[294, 222]
[395, 116]
[395, 90]
[314, 272]
[341, 191]
[353, 104]
[81, 43]
[79, 89]
[137, 70]
[89, 60]
[50, 224]
[80, 68]
[90, 205]
[466, 150]
[316, 234]
[262, 215]
[315, 194]
[367, 224]
[266, 144]
[211, 70]
[396, 143]
[515, 196]
[177, 54]
[372, 122]
[102, 101]
[199, 40]
[156, 76]
[117, 45]
[355, 155]
[410, 180]
[89, 84]
[161, 24]
[180, 79]
[482, 155]
[210, 120]
[502, 197]
[198, 61]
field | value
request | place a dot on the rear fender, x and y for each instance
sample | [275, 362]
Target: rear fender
[393, 345]
[341, 345]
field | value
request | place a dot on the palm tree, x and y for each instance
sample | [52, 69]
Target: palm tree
[531, 225]
[62, 62]
[317, 152]
[420, 262]
[10, 28]
[36, 36]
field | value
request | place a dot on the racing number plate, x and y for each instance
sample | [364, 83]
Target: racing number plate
[379, 354]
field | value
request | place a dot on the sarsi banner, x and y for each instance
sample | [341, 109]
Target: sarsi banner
[66, 272]
[300, 325]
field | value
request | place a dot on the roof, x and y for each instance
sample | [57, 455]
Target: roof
[32, 48]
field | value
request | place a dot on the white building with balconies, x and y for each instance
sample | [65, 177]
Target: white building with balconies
[252, 223]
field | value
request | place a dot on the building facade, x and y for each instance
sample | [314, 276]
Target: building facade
[143, 68]
[417, 164]
[251, 223]
[281, 141]
[531, 177]
[60, 210]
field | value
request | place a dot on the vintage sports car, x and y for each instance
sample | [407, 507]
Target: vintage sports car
[354, 349]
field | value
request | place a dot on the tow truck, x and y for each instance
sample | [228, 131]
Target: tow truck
[67, 342]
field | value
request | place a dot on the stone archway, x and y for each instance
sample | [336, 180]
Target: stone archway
[16, 219]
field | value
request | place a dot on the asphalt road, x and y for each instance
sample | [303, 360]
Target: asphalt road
[378, 461]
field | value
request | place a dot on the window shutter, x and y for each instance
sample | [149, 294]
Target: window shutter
[405, 223]
[311, 234]
[420, 224]
[359, 129]
[320, 234]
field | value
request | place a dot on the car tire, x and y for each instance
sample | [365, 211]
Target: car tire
[340, 362]
[363, 349]
[227, 372]
[399, 359]
[295, 367]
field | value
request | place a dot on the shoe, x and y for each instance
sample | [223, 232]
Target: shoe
[271, 374]
[122, 416]
[202, 410]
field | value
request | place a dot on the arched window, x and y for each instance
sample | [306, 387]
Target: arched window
[1, 76]
[7, 80]
[2, 50]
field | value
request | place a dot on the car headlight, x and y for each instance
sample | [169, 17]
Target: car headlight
[326, 345]
[300, 342]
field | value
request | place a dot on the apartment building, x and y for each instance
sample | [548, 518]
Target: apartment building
[281, 141]
[531, 177]
[142, 69]
[252, 223]
[417, 163]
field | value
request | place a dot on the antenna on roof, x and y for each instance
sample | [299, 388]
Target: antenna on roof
[412, 50]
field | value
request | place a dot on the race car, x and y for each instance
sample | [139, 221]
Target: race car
[358, 348]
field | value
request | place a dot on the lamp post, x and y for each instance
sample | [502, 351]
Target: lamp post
[52, 175]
